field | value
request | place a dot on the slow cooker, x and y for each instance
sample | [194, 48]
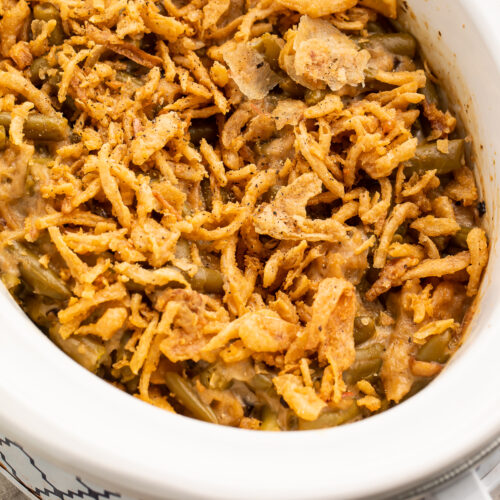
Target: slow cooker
[81, 426]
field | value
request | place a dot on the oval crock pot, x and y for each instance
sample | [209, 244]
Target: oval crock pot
[81, 424]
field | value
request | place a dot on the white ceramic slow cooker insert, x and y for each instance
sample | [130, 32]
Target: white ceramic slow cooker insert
[81, 424]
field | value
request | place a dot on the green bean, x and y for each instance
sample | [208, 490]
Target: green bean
[330, 417]
[384, 405]
[269, 420]
[370, 74]
[371, 82]
[39, 67]
[400, 44]
[261, 382]
[207, 280]
[417, 386]
[312, 97]
[291, 421]
[435, 349]
[271, 193]
[40, 127]
[205, 377]
[45, 128]
[291, 88]
[124, 77]
[203, 128]
[134, 287]
[397, 238]
[460, 237]
[47, 12]
[402, 230]
[84, 350]
[40, 309]
[5, 120]
[57, 36]
[211, 378]
[3, 138]
[132, 385]
[369, 352]
[43, 281]
[364, 328]
[396, 25]
[268, 45]
[39, 72]
[428, 157]
[126, 374]
[185, 394]
[430, 92]
[30, 182]
[366, 365]
[362, 370]
[227, 195]
[260, 147]
[55, 79]
[374, 27]
[441, 242]
[38, 161]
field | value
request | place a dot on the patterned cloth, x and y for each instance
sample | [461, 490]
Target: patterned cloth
[40, 480]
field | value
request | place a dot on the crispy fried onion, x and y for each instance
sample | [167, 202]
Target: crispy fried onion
[303, 400]
[249, 70]
[330, 329]
[260, 331]
[285, 217]
[317, 54]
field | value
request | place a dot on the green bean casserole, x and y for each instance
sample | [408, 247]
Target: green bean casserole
[257, 213]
